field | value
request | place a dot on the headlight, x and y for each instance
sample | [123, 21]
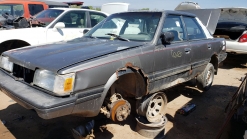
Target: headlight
[6, 64]
[59, 84]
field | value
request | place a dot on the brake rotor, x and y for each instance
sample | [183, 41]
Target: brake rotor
[120, 110]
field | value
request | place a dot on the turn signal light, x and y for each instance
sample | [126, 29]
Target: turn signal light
[68, 84]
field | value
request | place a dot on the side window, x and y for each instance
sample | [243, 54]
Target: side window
[74, 19]
[35, 8]
[18, 10]
[96, 18]
[193, 28]
[12, 9]
[173, 23]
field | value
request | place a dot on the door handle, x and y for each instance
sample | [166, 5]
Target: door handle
[187, 50]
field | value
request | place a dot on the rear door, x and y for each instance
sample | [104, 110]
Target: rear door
[200, 45]
[174, 58]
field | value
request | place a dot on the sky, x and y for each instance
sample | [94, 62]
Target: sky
[165, 4]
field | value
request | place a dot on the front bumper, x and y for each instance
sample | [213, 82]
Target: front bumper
[47, 106]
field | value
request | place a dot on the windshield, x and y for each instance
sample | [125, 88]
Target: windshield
[12, 9]
[47, 16]
[134, 26]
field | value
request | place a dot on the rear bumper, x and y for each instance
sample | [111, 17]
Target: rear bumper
[46, 105]
[222, 57]
[236, 47]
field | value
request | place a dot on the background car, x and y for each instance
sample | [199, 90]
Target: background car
[232, 26]
[54, 25]
[27, 8]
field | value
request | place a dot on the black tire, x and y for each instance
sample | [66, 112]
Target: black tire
[205, 79]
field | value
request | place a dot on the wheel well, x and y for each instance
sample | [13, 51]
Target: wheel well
[214, 61]
[12, 44]
[132, 84]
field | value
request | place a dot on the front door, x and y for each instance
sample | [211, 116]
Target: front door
[175, 58]
[75, 23]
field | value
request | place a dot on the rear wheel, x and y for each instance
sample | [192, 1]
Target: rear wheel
[205, 79]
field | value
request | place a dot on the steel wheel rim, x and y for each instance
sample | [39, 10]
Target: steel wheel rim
[155, 107]
[209, 77]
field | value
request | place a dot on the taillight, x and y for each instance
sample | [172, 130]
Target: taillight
[243, 38]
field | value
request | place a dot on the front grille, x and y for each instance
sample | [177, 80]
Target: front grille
[24, 73]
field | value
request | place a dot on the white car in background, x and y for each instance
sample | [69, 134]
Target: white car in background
[232, 26]
[61, 24]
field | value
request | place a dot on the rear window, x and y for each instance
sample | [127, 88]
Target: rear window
[35, 8]
[12, 9]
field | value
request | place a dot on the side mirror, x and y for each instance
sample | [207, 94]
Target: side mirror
[59, 25]
[85, 31]
[167, 37]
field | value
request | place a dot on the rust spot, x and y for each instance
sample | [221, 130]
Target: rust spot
[132, 83]
[128, 64]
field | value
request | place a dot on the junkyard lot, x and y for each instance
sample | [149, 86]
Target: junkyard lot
[204, 122]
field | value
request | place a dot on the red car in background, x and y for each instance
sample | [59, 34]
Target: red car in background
[27, 8]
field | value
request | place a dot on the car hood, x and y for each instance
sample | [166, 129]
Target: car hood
[54, 57]
[233, 15]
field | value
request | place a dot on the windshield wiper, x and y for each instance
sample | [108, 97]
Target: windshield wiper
[118, 37]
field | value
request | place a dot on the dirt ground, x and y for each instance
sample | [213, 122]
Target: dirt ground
[203, 123]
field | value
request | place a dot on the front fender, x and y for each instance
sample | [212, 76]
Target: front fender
[33, 36]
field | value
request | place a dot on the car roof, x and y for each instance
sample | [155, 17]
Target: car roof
[20, 1]
[180, 13]
[77, 9]
[166, 12]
